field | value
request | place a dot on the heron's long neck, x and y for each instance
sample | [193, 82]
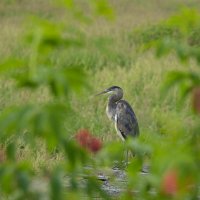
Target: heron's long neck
[116, 97]
[112, 104]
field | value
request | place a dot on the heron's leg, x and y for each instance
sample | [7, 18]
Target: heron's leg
[126, 157]
[129, 155]
[119, 163]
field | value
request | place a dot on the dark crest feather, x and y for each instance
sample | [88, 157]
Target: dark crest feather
[113, 88]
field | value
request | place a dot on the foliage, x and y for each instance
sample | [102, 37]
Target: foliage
[167, 144]
[187, 32]
[178, 171]
[178, 35]
[152, 33]
[39, 69]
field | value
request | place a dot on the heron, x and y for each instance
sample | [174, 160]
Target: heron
[121, 113]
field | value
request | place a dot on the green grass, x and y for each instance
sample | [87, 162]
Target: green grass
[116, 62]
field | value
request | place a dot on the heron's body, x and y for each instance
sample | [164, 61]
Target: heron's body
[121, 113]
[125, 120]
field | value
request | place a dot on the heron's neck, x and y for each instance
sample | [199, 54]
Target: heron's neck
[115, 97]
[112, 104]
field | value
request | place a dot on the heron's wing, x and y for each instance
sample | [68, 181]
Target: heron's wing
[126, 121]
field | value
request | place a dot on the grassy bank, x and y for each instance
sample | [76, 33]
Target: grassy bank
[110, 58]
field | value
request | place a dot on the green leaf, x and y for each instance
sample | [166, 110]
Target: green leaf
[93, 187]
[184, 90]
[177, 77]
[11, 151]
[23, 180]
[56, 186]
[45, 121]
[186, 20]
[12, 64]
[103, 8]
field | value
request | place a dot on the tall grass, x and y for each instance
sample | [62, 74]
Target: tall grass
[116, 63]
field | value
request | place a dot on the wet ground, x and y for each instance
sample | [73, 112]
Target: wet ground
[113, 181]
[110, 186]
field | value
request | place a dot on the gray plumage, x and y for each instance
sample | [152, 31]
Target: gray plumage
[121, 113]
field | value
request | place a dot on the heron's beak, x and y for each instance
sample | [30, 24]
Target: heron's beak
[105, 91]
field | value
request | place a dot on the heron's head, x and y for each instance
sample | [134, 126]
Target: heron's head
[111, 90]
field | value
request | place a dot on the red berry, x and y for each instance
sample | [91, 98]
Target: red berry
[170, 183]
[95, 145]
[87, 141]
[83, 137]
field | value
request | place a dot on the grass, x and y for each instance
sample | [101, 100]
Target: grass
[115, 63]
